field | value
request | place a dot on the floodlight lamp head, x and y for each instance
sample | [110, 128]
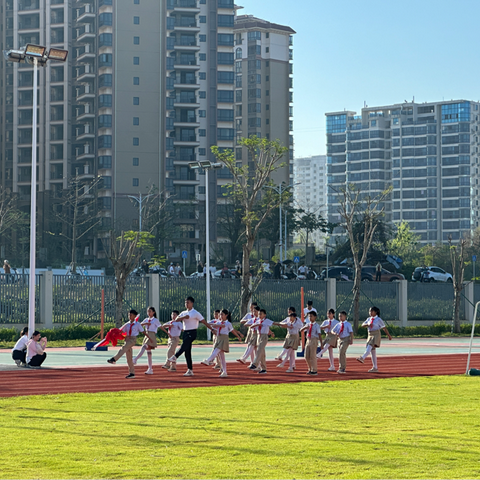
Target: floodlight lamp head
[16, 56]
[58, 54]
[194, 165]
[35, 50]
[205, 164]
[217, 165]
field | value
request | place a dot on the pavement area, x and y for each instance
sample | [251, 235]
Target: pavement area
[79, 357]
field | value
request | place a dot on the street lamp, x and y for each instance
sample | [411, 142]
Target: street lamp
[207, 166]
[140, 200]
[278, 189]
[36, 55]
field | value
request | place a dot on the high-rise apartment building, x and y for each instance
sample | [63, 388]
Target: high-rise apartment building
[427, 152]
[310, 192]
[264, 86]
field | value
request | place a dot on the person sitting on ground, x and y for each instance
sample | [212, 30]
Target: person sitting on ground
[36, 350]
[19, 351]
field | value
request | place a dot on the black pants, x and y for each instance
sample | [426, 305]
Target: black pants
[37, 360]
[188, 337]
[378, 277]
[19, 355]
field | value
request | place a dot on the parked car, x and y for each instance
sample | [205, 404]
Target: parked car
[387, 276]
[431, 274]
[340, 273]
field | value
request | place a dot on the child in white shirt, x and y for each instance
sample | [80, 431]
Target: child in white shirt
[263, 325]
[285, 350]
[251, 338]
[374, 324]
[313, 337]
[223, 327]
[292, 340]
[151, 324]
[344, 331]
[173, 332]
[330, 341]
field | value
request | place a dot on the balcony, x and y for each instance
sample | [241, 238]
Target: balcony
[84, 153]
[186, 65]
[193, 123]
[186, 26]
[186, 86]
[85, 133]
[85, 93]
[188, 6]
[87, 73]
[85, 33]
[85, 14]
[186, 141]
[87, 54]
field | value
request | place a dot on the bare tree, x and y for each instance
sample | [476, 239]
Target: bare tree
[457, 257]
[256, 201]
[354, 208]
[125, 252]
[76, 211]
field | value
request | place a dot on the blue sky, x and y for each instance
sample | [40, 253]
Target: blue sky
[378, 51]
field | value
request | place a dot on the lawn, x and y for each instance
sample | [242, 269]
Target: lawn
[386, 428]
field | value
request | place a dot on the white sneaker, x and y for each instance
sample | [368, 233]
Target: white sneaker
[331, 369]
[188, 373]
[360, 359]
[319, 356]
[279, 358]
[280, 365]
[173, 359]
[149, 372]
[290, 370]
[205, 362]
[241, 360]
[134, 361]
[223, 375]
[166, 366]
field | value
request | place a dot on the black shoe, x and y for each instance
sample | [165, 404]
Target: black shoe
[252, 367]
[111, 360]
[130, 375]
[262, 372]
[312, 373]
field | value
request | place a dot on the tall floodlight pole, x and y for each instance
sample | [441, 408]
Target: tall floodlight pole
[36, 55]
[207, 166]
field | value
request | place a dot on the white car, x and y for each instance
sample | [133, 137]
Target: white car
[436, 274]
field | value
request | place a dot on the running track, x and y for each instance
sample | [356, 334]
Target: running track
[112, 378]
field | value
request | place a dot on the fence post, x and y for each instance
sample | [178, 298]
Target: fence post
[331, 296]
[469, 301]
[46, 299]
[402, 301]
[153, 297]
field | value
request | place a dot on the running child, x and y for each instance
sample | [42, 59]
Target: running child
[313, 336]
[216, 317]
[132, 329]
[344, 332]
[223, 327]
[251, 338]
[292, 340]
[330, 341]
[285, 350]
[374, 326]
[173, 332]
[263, 325]
[151, 324]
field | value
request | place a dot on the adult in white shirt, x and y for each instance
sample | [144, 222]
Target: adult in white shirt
[309, 309]
[19, 351]
[190, 318]
[171, 270]
[36, 350]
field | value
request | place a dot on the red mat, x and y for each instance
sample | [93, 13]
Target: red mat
[112, 378]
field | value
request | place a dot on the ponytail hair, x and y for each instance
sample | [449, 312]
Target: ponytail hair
[228, 314]
[153, 310]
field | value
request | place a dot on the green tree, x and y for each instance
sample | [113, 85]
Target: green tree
[256, 201]
[310, 222]
[405, 244]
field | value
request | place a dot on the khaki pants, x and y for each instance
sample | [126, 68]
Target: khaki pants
[342, 352]
[311, 353]
[260, 359]
[130, 342]
[172, 346]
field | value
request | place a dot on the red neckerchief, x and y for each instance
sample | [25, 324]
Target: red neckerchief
[341, 328]
[130, 331]
[310, 330]
[370, 323]
[260, 327]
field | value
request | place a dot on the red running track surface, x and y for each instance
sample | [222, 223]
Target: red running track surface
[112, 378]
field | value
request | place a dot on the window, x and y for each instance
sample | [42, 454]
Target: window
[136, 100]
[136, 141]
[105, 40]
[136, 2]
[104, 121]
[267, 50]
[105, 19]
[136, 161]
[202, 38]
[225, 133]
[202, 113]
[225, 58]
[225, 77]
[136, 80]
[238, 53]
[105, 80]
[202, 94]
[136, 20]
[202, 76]
[136, 40]
[225, 20]
[254, 35]
[202, 132]
[105, 60]
[105, 161]
[225, 96]
[202, 151]
[225, 39]
[136, 60]
[224, 115]
[135, 182]
[203, 19]
[136, 120]
[105, 141]
[106, 182]
[202, 57]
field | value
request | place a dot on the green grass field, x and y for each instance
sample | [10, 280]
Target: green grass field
[385, 428]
